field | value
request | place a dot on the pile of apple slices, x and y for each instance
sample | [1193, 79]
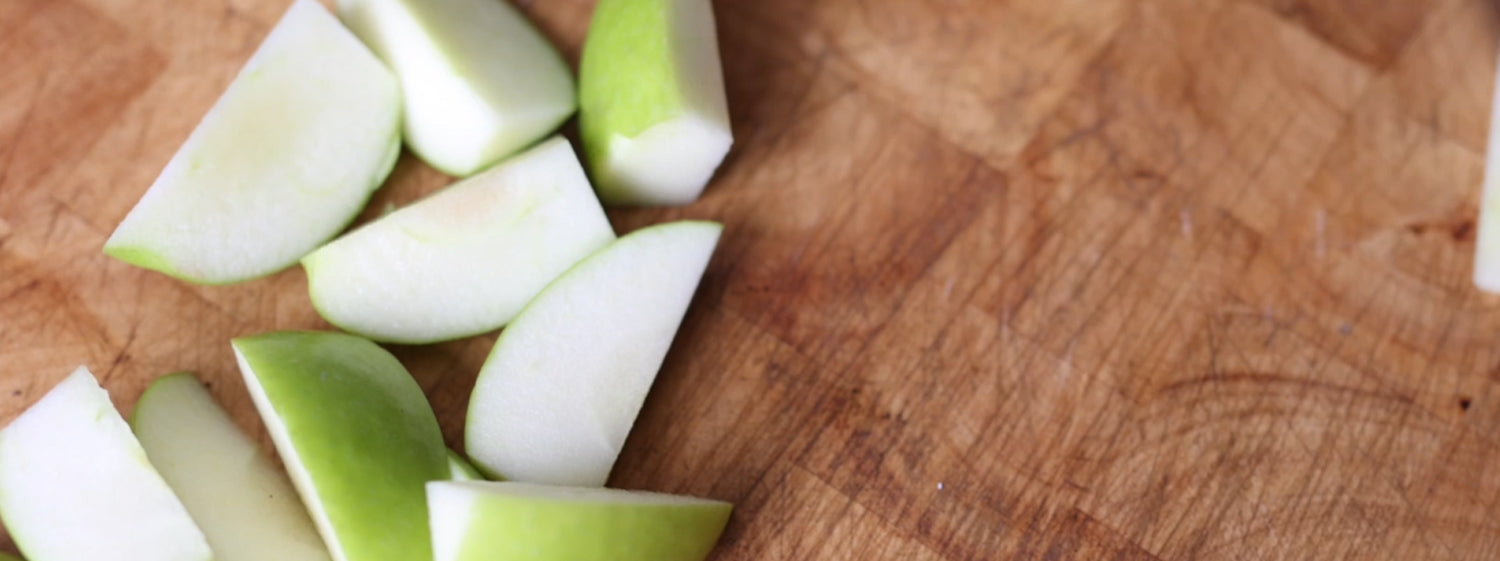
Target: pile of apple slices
[363, 450]
[551, 408]
[285, 159]
[313, 123]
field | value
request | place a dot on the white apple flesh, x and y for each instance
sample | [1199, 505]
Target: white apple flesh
[75, 484]
[242, 501]
[356, 434]
[1487, 246]
[466, 259]
[652, 111]
[558, 394]
[480, 82]
[286, 158]
[487, 520]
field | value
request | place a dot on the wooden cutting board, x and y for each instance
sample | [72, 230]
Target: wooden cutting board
[1025, 279]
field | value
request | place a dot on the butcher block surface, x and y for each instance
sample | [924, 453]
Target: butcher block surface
[1000, 279]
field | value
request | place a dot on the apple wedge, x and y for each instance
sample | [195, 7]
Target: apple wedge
[652, 112]
[460, 469]
[466, 259]
[479, 81]
[284, 160]
[75, 484]
[244, 504]
[357, 437]
[1487, 243]
[558, 394]
[484, 520]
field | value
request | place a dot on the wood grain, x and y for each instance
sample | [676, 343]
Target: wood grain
[1104, 279]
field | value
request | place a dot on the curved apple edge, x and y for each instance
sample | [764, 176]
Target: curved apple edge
[469, 415]
[461, 469]
[146, 258]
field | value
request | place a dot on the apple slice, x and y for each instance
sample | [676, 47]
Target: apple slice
[479, 81]
[460, 469]
[242, 501]
[483, 520]
[558, 394]
[286, 158]
[75, 484]
[357, 437]
[652, 112]
[1487, 243]
[466, 259]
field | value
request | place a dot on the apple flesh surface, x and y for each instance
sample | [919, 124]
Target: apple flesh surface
[1487, 244]
[75, 484]
[244, 504]
[558, 394]
[466, 259]
[652, 112]
[484, 520]
[286, 158]
[480, 82]
[356, 434]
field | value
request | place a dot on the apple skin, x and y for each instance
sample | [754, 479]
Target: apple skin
[559, 392]
[284, 160]
[243, 502]
[487, 520]
[652, 112]
[479, 81]
[8, 557]
[75, 484]
[466, 259]
[461, 470]
[357, 436]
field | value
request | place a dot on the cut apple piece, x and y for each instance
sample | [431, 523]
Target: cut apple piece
[558, 394]
[466, 259]
[244, 504]
[460, 469]
[357, 437]
[75, 484]
[484, 520]
[652, 112]
[286, 158]
[479, 81]
[1487, 244]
